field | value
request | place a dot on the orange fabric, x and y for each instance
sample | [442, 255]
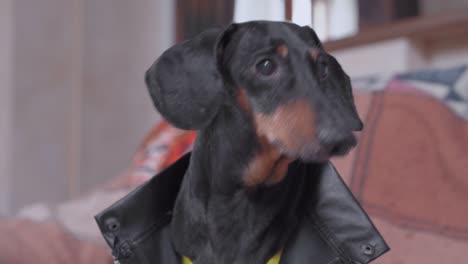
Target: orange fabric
[179, 146]
[163, 145]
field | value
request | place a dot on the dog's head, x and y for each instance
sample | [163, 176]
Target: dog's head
[298, 95]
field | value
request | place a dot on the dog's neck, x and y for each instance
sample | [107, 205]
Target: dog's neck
[222, 217]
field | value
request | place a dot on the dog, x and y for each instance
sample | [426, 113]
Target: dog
[262, 95]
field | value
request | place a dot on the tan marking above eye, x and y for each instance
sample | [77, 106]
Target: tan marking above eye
[283, 50]
[267, 167]
[314, 53]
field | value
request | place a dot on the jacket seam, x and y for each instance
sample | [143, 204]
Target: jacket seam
[143, 236]
[150, 230]
[328, 236]
[334, 260]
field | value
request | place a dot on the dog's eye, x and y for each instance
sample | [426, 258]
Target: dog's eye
[266, 67]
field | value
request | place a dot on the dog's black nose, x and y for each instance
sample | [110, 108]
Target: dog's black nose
[358, 125]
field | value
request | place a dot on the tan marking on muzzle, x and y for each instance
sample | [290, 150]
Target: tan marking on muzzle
[291, 125]
[267, 166]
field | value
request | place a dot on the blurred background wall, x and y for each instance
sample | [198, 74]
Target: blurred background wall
[73, 100]
[6, 15]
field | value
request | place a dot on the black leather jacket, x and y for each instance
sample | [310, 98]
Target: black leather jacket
[334, 228]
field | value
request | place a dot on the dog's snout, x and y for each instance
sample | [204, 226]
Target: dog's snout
[337, 142]
[330, 137]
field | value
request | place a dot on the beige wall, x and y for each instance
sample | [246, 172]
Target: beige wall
[79, 106]
[401, 55]
[375, 58]
[449, 52]
[435, 6]
[6, 86]
[43, 74]
[122, 40]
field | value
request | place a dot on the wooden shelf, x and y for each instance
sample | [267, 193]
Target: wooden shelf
[448, 25]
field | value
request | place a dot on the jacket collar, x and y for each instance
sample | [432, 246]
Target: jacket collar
[334, 224]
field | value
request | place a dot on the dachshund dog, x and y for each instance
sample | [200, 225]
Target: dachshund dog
[263, 96]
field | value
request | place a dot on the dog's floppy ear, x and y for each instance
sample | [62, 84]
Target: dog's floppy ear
[311, 37]
[185, 84]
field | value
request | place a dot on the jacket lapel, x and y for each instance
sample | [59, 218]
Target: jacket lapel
[334, 228]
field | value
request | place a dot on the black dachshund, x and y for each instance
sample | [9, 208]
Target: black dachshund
[271, 107]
